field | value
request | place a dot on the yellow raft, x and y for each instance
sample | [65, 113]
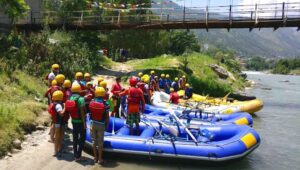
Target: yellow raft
[250, 106]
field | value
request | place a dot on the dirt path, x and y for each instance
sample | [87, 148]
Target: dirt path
[37, 151]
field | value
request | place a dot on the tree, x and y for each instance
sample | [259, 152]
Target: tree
[15, 9]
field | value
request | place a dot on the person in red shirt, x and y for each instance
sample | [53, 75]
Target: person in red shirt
[174, 97]
[136, 104]
[115, 90]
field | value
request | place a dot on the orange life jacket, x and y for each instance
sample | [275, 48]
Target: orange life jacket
[134, 96]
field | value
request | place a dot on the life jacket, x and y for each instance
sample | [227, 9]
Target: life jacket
[54, 88]
[71, 107]
[97, 110]
[67, 94]
[174, 98]
[52, 112]
[142, 85]
[134, 96]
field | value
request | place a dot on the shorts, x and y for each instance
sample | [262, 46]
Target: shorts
[57, 125]
[97, 133]
[133, 118]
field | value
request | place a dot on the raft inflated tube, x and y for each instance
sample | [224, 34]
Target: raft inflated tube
[214, 143]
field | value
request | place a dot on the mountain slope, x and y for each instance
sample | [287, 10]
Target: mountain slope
[266, 42]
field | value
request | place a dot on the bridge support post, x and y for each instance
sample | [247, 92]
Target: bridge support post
[206, 18]
[230, 18]
[283, 14]
[256, 14]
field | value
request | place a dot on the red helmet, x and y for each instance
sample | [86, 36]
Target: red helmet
[133, 81]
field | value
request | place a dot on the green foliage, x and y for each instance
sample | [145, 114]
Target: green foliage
[180, 41]
[15, 9]
[257, 63]
[18, 109]
[284, 66]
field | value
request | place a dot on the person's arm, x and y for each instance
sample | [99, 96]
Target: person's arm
[82, 112]
[47, 92]
[123, 93]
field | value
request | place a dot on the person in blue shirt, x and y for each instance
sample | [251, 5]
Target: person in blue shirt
[162, 81]
[168, 84]
[175, 84]
[188, 91]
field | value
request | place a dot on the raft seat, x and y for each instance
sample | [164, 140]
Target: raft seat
[123, 131]
[147, 132]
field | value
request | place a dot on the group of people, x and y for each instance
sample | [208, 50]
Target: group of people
[74, 100]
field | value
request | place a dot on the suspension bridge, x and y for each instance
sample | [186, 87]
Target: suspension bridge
[273, 15]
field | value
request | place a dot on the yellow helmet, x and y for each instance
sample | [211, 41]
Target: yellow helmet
[152, 72]
[146, 80]
[67, 84]
[100, 92]
[53, 82]
[183, 77]
[176, 78]
[162, 75]
[89, 84]
[167, 76]
[140, 74]
[100, 79]
[60, 78]
[171, 90]
[103, 84]
[87, 75]
[187, 85]
[58, 96]
[55, 66]
[78, 74]
[76, 88]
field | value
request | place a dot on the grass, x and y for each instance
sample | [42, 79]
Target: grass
[18, 108]
[204, 80]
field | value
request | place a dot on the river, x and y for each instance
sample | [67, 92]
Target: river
[278, 124]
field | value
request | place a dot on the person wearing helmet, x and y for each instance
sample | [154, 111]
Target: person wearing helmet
[99, 121]
[104, 85]
[56, 84]
[162, 81]
[136, 104]
[168, 83]
[89, 95]
[87, 78]
[174, 97]
[78, 79]
[67, 89]
[76, 108]
[51, 76]
[99, 80]
[144, 86]
[182, 82]
[140, 76]
[115, 90]
[154, 84]
[152, 75]
[175, 84]
[56, 109]
[188, 91]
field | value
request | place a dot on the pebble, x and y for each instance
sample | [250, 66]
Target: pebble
[40, 127]
[15, 150]
[9, 154]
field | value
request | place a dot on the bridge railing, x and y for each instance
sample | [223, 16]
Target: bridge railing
[255, 13]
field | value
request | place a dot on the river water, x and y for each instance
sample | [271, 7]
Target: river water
[278, 124]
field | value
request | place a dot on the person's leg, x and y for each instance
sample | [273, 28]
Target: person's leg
[94, 139]
[57, 142]
[75, 140]
[137, 123]
[82, 134]
[100, 133]
[117, 108]
[52, 133]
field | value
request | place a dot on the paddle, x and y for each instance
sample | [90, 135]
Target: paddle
[171, 129]
[185, 128]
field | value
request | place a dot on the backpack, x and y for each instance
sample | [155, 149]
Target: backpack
[71, 107]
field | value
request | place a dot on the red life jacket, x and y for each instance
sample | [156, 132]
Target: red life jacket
[97, 111]
[141, 85]
[174, 98]
[134, 96]
[52, 112]
[72, 108]
[54, 88]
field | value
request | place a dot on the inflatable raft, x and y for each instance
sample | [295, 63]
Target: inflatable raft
[250, 106]
[209, 143]
[196, 117]
[161, 99]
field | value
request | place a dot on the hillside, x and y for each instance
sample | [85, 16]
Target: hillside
[266, 42]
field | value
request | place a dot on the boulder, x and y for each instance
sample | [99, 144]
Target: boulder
[17, 144]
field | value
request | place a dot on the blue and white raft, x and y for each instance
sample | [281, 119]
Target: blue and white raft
[205, 142]
[200, 118]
